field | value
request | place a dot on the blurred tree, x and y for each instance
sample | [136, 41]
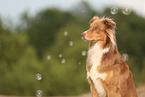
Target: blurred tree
[42, 28]
[68, 77]
[18, 64]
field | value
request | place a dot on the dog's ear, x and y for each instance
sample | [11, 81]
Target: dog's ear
[93, 19]
[109, 23]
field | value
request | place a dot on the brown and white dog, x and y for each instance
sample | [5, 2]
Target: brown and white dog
[107, 72]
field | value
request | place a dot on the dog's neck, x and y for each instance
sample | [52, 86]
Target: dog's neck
[101, 54]
[101, 49]
[96, 52]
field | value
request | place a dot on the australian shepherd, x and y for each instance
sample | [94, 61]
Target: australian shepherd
[107, 73]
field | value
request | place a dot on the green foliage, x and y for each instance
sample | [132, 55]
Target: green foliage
[25, 53]
[19, 64]
[42, 28]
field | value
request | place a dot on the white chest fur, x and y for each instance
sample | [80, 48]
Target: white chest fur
[94, 58]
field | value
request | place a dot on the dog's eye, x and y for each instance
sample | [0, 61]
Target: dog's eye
[96, 28]
[98, 32]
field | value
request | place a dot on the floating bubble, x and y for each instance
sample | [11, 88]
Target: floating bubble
[60, 55]
[83, 11]
[125, 57]
[48, 57]
[79, 63]
[38, 76]
[71, 43]
[65, 33]
[63, 61]
[126, 11]
[39, 93]
[114, 10]
[83, 53]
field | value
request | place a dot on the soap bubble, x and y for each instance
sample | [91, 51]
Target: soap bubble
[83, 11]
[126, 11]
[38, 76]
[48, 57]
[83, 53]
[65, 33]
[125, 56]
[60, 55]
[71, 43]
[63, 61]
[114, 10]
[39, 93]
[79, 63]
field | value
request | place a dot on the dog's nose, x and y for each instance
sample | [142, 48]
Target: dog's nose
[83, 34]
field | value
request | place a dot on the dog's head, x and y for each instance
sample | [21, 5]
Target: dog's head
[101, 29]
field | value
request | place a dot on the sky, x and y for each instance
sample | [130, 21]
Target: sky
[12, 9]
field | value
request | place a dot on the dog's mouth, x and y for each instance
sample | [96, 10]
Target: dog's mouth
[83, 38]
[88, 40]
[93, 40]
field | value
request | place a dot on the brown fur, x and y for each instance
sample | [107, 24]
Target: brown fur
[119, 81]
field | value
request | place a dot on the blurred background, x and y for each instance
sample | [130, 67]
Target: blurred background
[41, 49]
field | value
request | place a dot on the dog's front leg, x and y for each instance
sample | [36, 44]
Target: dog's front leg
[113, 87]
[93, 90]
[113, 92]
